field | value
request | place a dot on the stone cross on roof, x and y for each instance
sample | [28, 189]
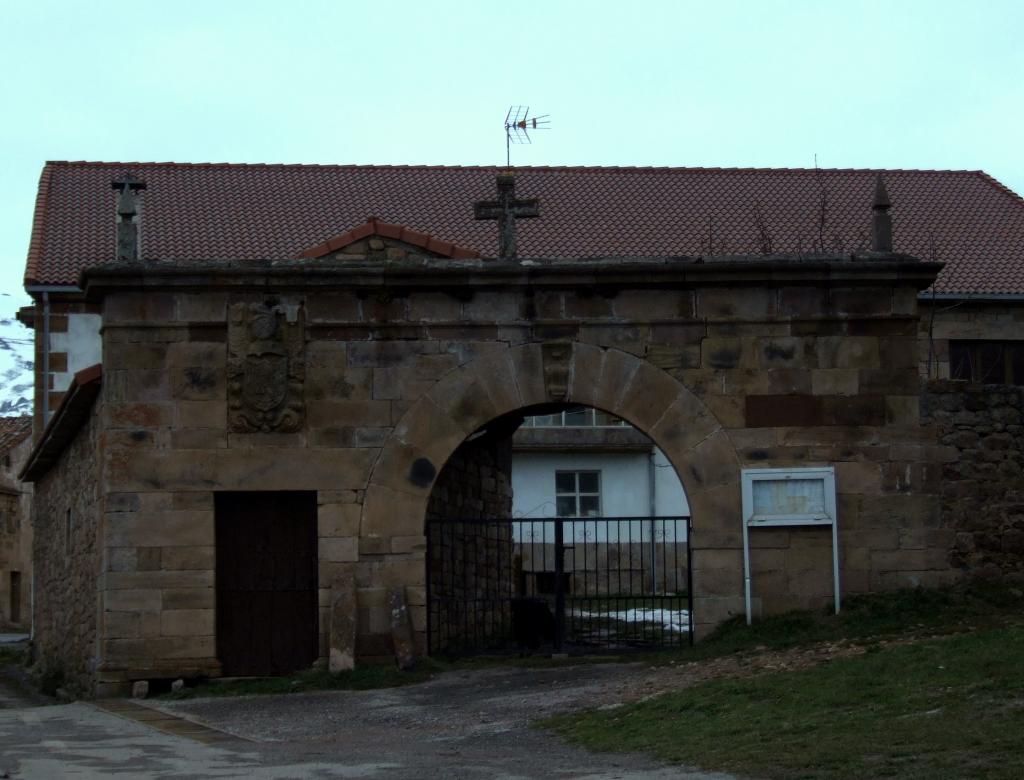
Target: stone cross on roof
[506, 209]
[127, 213]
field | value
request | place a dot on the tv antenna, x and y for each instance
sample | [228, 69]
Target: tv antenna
[518, 123]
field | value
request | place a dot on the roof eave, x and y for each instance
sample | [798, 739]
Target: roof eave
[70, 416]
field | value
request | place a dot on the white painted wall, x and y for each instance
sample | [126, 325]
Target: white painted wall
[625, 486]
[83, 344]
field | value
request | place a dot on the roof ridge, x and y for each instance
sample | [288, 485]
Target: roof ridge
[558, 168]
[993, 182]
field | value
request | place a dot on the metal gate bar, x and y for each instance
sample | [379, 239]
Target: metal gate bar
[565, 584]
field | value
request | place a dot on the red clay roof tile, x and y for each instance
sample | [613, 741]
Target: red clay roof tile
[372, 227]
[13, 431]
[270, 212]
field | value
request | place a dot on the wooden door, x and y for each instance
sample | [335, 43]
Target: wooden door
[266, 582]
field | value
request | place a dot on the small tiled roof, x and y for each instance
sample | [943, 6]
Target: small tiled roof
[13, 431]
[276, 212]
[374, 227]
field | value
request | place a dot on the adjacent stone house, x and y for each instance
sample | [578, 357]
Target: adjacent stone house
[240, 372]
[15, 526]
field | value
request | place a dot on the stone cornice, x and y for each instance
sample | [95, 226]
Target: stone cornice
[593, 273]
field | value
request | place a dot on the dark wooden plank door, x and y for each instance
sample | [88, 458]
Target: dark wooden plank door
[267, 618]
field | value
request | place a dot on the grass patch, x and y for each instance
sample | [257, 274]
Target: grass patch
[948, 704]
[863, 618]
[362, 678]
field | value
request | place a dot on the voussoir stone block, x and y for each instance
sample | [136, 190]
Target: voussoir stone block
[713, 462]
[684, 424]
[528, 369]
[495, 375]
[585, 372]
[432, 429]
[650, 393]
[617, 372]
[462, 399]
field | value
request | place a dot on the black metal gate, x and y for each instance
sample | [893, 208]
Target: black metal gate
[561, 585]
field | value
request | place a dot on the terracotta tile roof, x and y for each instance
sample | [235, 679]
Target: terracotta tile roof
[374, 227]
[247, 212]
[13, 431]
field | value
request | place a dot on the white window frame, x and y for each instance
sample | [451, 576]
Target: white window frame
[577, 494]
[827, 474]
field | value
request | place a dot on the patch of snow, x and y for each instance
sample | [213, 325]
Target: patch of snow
[677, 620]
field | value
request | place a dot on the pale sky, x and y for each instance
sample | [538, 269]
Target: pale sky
[769, 84]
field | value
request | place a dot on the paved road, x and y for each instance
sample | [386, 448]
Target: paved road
[470, 725]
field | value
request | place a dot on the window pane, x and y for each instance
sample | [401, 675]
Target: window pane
[990, 364]
[566, 506]
[603, 418]
[590, 506]
[589, 482]
[565, 481]
[576, 417]
[959, 360]
[1017, 364]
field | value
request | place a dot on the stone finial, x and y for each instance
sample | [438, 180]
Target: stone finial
[881, 222]
[128, 217]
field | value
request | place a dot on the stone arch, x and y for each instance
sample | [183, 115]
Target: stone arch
[647, 397]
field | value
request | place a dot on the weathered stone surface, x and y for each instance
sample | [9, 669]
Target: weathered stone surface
[344, 614]
[266, 367]
[401, 629]
[264, 469]
[140, 689]
[720, 374]
[982, 500]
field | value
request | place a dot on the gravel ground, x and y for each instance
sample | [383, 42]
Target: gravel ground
[468, 724]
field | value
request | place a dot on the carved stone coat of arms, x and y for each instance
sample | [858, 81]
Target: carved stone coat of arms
[266, 370]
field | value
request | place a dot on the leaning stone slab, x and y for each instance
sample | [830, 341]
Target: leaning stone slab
[401, 629]
[342, 656]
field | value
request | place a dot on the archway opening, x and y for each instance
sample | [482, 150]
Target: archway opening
[557, 528]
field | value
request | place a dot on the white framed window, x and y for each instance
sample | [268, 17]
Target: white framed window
[579, 417]
[804, 496]
[578, 493]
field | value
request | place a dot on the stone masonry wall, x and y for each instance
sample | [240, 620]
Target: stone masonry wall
[982, 485]
[15, 539]
[943, 321]
[475, 483]
[68, 553]
[471, 568]
[722, 367]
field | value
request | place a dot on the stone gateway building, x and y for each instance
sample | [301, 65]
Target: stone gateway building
[252, 397]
